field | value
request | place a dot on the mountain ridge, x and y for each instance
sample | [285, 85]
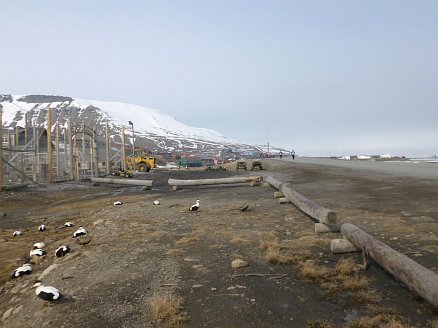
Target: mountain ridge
[153, 129]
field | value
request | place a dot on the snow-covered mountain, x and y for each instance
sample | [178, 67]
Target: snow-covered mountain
[152, 128]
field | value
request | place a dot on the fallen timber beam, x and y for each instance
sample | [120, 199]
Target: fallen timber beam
[240, 179]
[418, 278]
[341, 246]
[321, 227]
[319, 213]
[134, 182]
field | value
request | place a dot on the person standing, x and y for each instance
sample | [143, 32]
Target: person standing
[281, 154]
[293, 154]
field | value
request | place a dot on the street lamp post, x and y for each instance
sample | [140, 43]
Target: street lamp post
[133, 145]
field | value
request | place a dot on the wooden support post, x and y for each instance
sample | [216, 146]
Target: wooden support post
[76, 157]
[49, 144]
[57, 151]
[70, 150]
[83, 160]
[321, 227]
[95, 154]
[284, 200]
[341, 246]
[64, 133]
[123, 149]
[1, 147]
[107, 148]
[418, 278]
[278, 194]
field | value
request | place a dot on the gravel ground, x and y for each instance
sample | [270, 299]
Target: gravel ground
[139, 251]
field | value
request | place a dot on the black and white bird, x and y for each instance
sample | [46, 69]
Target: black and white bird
[47, 293]
[17, 233]
[39, 245]
[62, 250]
[117, 202]
[42, 228]
[195, 206]
[156, 202]
[21, 271]
[68, 224]
[80, 232]
[37, 252]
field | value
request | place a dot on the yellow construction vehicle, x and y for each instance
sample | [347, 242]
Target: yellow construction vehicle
[140, 163]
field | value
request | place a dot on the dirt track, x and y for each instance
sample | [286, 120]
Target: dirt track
[139, 251]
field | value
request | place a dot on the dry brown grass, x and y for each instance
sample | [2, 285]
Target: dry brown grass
[378, 321]
[187, 241]
[175, 252]
[167, 309]
[274, 255]
[343, 277]
[432, 324]
[313, 272]
[368, 296]
[319, 324]
[240, 239]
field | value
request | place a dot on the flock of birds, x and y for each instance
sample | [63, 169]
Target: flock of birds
[49, 293]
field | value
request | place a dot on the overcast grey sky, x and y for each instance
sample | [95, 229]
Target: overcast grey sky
[321, 77]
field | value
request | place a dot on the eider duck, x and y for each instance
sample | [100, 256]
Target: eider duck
[156, 202]
[21, 271]
[117, 202]
[194, 207]
[68, 224]
[42, 228]
[61, 251]
[17, 233]
[39, 245]
[37, 252]
[80, 232]
[47, 293]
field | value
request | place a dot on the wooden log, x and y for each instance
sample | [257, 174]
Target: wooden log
[284, 200]
[418, 278]
[273, 182]
[240, 179]
[322, 227]
[278, 194]
[133, 182]
[340, 246]
[254, 183]
[308, 206]
[15, 186]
